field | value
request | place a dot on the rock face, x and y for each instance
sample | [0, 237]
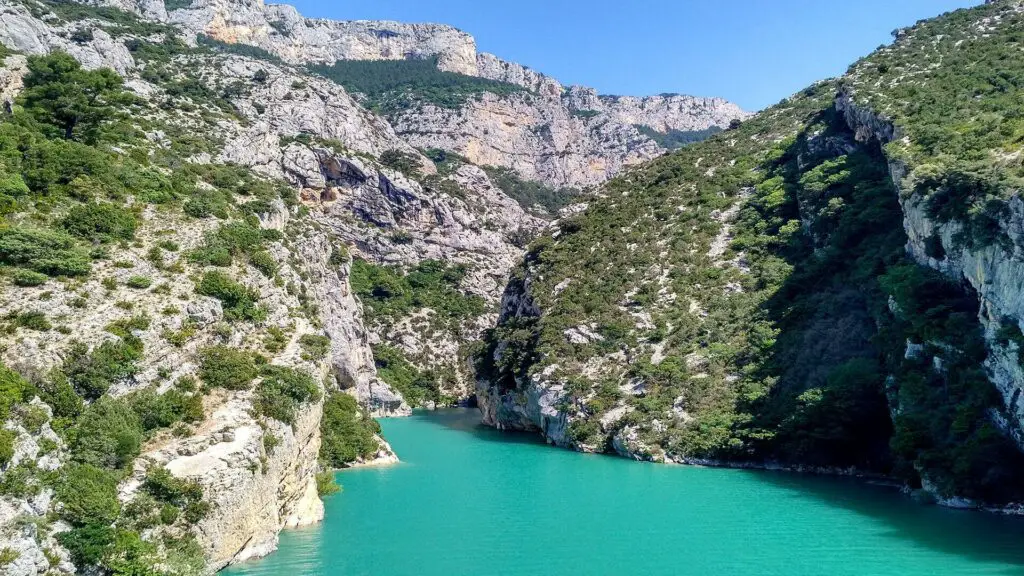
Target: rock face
[660, 113]
[538, 137]
[561, 137]
[281, 30]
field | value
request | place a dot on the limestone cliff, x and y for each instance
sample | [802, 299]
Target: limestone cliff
[549, 134]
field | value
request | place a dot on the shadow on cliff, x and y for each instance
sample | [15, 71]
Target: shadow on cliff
[980, 536]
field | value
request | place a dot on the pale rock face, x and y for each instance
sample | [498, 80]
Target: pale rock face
[21, 31]
[660, 113]
[537, 137]
[251, 500]
[493, 68]
[12, 75]
[281, 30]
[278, 108]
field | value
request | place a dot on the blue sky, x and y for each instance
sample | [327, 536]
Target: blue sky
[753, 52]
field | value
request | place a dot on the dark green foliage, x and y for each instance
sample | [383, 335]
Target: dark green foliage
[7, 438]
[76, 103]
[314, 346]
[13, 389]
[50, 253]
[157, 411]
[347, 431]
[326, 484]
[431, 284]
[89, 494]
[57, 391]
[177, 493]
[223, 367]
[417, 386]
[100, 222]
[88, 544]
[530, 194]
[281, 391]
[240, 302]
[91, 373]
[108, 434]
[395, 85]
[139, 282]
[28, 278]
[32, 320]
[236, 48]
[675, 139]
[405, 162]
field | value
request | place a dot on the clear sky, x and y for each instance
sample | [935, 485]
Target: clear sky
[753, 52]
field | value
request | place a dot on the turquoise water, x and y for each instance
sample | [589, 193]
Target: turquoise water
[468, 500]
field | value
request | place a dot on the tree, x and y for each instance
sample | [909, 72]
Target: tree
[59, 93]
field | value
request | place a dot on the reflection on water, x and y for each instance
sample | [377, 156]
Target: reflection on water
[470, 500]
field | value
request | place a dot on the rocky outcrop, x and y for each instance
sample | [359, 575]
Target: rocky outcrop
[537, 137]
[661, 113]
[20, 30]
[493, 68]
[281, 30]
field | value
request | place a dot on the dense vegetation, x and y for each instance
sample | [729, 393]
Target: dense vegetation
[390, 294]
[348, 432]
[674, 139]
[391, 86]
[531, 194]
[431, 290]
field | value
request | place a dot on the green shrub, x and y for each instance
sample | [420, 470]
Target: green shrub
[108, 434]
[417, 386]
[32, 320]
[7, 439]
[529, 194]
[405, 162]
[239, 301]
[8, 555]
[76, 103]
[92, 373]
[326, 483]
[281, 391]
[60, 395]
[89, 495]
[348, 433]
[139, 282]
[29, 278]
[157, 411]
[13, 389]
[264, 262]
[100, 222]
[394, 85]
[178, 493]
[229, 368]
[50, 253]
[314, 346]
[674, 139]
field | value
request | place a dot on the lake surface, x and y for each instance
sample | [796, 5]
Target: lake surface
[468, 500]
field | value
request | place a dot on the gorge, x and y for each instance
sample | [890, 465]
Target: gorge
[232, 238]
